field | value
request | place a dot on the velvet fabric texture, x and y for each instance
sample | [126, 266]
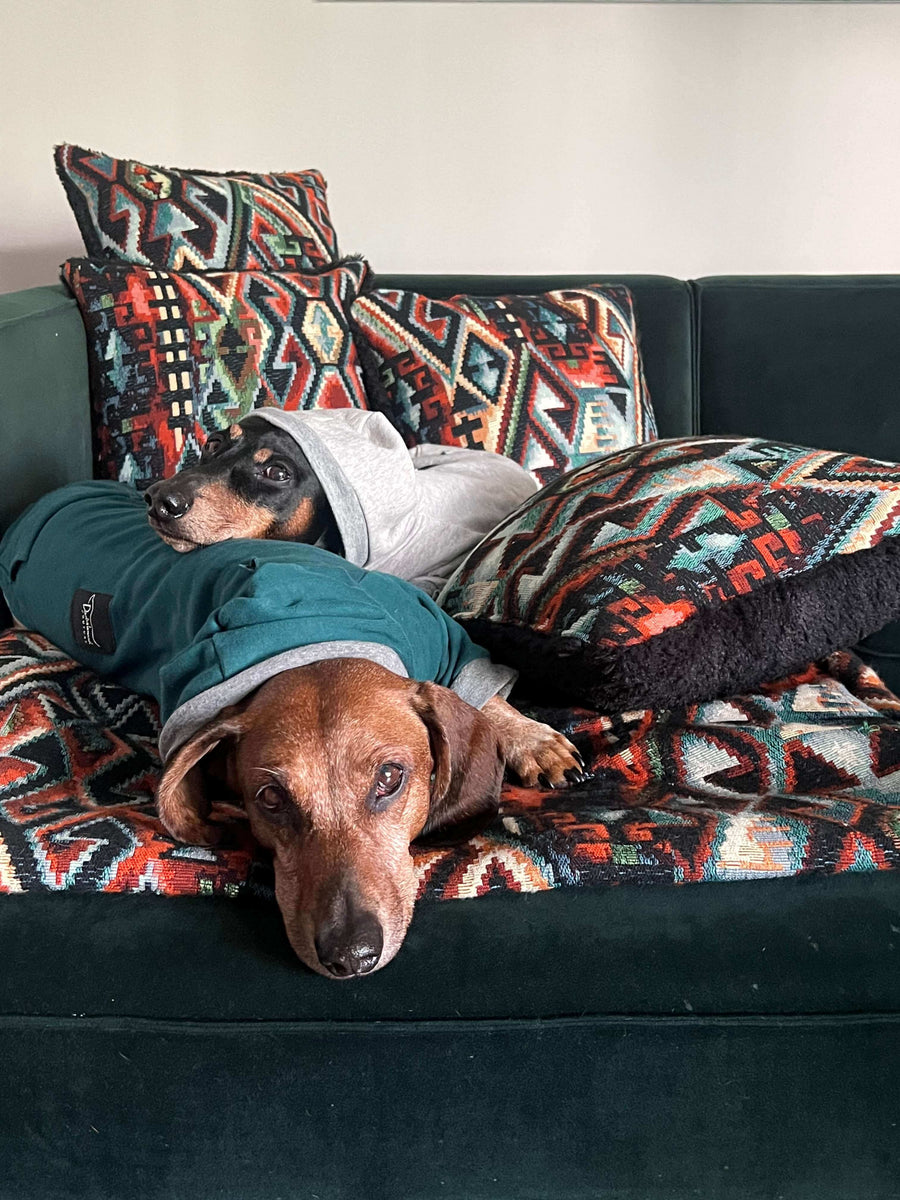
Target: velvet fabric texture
[189, 220]
[549, 380]
[43, 361]
[519, 1046]
[686, 570]
[174, 356]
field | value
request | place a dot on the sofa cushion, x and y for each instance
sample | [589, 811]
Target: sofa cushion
[801, 778]
[521, 1046]
[603, 995]
[549, 380]
[174, 356]
[659, 575]
[187, 220]
[801, 357]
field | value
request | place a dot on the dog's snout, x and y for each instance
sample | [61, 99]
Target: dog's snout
[348, 940]
[342, 955]
[167, 503]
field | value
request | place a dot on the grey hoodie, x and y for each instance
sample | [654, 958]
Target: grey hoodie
[410, 513]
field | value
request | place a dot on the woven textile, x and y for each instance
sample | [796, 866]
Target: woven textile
[173, 357]
[643, 550]
[550, 381]
[803, 777]
[197, 220]
[78, 767]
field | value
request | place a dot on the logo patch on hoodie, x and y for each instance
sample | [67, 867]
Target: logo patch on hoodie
[91, 625]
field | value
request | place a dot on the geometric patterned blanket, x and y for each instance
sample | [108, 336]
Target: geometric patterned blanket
[802, 777]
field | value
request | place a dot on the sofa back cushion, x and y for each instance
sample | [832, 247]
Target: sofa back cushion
[814, 360]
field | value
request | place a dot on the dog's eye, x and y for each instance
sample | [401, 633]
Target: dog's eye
[277, 472]
[388, 783]
[273, 798]
[389, 778]
[214, 444]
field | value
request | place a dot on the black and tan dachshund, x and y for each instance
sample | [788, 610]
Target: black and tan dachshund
[252, 481]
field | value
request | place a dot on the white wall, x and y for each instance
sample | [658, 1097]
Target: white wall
[684, 140]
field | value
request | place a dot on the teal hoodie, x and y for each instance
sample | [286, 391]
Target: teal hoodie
[201, 631]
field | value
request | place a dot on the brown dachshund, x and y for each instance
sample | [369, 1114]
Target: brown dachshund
[339, 766]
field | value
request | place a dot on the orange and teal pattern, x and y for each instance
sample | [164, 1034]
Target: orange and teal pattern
[638, 542]
[175, 356]
[550, 381]
[803, 777]
[184, 220]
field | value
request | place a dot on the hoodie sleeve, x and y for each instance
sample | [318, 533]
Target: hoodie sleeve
[473, 675]
[436, 647]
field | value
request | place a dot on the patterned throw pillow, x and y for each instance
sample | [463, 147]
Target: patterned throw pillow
[550, 381]
[685, 570]
[173, 357]
[197, 220]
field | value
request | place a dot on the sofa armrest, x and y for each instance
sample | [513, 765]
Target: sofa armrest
[44, 400]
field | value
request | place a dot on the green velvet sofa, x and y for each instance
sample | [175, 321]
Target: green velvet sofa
[732, 1040]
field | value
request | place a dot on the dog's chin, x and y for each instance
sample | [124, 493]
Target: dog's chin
[181, 545]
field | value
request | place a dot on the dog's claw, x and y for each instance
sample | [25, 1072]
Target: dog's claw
[575, 776]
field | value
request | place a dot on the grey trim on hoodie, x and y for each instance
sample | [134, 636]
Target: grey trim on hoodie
[481, 680]
[476, 683]
[195, 713]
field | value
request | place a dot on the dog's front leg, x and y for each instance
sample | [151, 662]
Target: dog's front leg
[533, 749]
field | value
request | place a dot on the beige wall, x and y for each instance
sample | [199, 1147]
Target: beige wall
[483, 137]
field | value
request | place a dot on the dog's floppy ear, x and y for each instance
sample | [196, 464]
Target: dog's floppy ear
[181, 795]
[468, 763]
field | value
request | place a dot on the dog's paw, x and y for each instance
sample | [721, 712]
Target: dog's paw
[540, 756]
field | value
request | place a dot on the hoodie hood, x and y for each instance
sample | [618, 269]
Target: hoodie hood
[411, 513]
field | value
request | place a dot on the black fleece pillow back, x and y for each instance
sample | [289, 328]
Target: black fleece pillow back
[684, 570]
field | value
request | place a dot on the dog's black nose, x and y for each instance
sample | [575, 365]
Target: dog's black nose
[350, 947]
[167, 503]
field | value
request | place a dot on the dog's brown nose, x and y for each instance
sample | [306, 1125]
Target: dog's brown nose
[348, 940]
[167, 503]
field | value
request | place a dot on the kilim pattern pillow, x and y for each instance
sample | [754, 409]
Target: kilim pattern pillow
[686, 569]
[173, 357]
[197, 220]
[550, 381]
